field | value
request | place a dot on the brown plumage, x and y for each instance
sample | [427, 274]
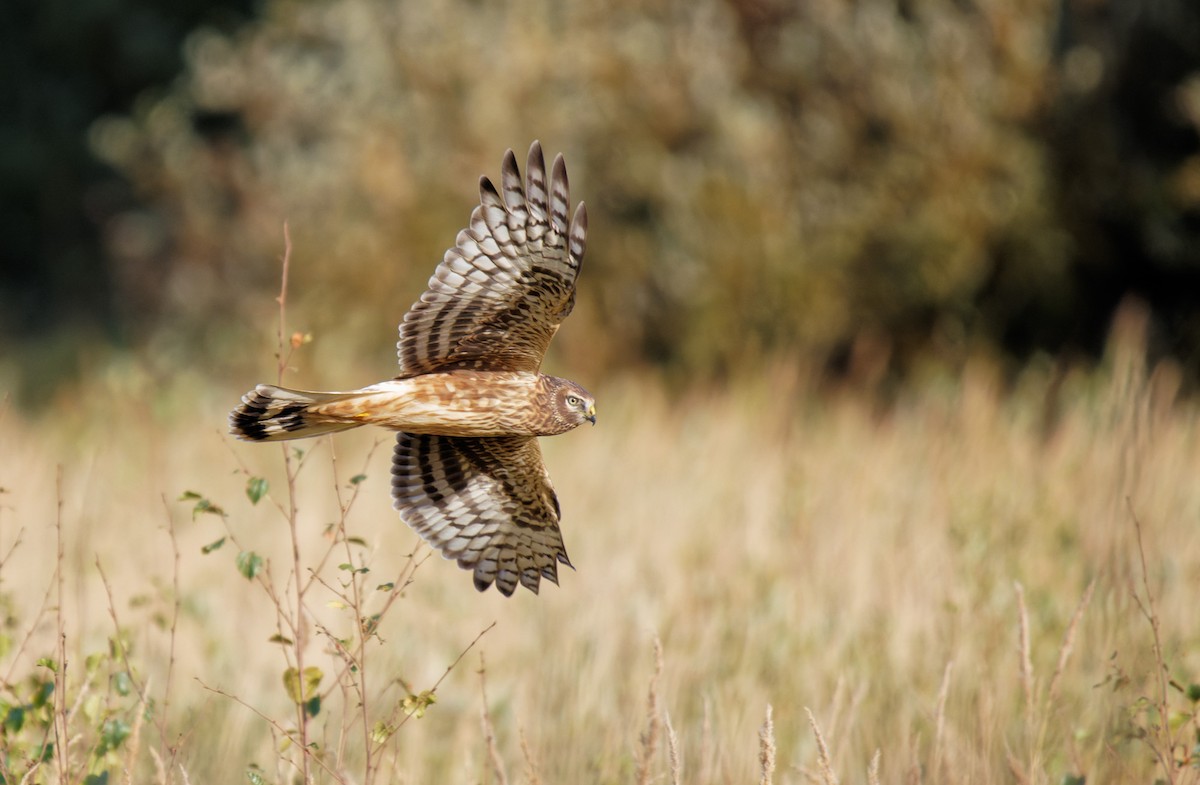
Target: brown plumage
[470, 400]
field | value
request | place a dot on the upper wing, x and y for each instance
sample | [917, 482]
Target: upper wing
[487, 503]
[499, 294]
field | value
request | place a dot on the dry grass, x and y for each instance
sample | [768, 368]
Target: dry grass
[788, 547]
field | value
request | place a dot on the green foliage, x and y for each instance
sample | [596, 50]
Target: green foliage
[212, 546]
[381, 732]
[202, 505]
[101, 723]
[256, 488]
[415, 705]
[302, 688]
[249, 564]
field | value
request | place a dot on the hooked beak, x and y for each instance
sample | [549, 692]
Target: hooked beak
[591, 414]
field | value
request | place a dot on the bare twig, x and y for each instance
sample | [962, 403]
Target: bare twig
[1165, 755]
[118, 638]
[282, 300]
[8, 555]
[453, 665]
[60, 673]
[489, 731]
[282, 731]
[175, 607]
[135, 739]
[297, 619]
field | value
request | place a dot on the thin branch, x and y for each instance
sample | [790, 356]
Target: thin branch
[489, 731]
[60, 673]
[449, 668]
[282, 299]
[175, 608]
[278, 728]
[1166, 756]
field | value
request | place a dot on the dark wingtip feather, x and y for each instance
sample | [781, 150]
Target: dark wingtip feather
[559, 171]
[487, 191]
[578, 232]
[510, 181]
[247, 420]
[535, 164]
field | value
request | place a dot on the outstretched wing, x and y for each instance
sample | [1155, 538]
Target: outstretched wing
[499, 294]
[486, 503]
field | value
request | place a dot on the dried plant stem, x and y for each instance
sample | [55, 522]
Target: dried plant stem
[135, 738]
[282, 299]
[766, 749]
[1026, 657]
[118, 638]
[489, 731]
[279, 729]
[823, 759]
[60, 673]
[1064, 654]
[673, 751]
[649, 738]
[531, 771]
[297, 619]
[1164, 747]
[939, 724]
[452, 666]
[706, 744]
[176, 604]
[873, 769]
[1068, 644]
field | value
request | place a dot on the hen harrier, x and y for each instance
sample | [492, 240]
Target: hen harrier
[470, 400]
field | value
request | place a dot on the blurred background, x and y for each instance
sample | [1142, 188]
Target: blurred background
[862, 186]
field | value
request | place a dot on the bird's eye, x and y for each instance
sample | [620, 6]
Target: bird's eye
[572, 400]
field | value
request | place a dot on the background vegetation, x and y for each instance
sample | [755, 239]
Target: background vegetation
[888, 306]
[806, 178]
[954, 582]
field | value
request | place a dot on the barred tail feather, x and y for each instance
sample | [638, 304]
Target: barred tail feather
[273, 414]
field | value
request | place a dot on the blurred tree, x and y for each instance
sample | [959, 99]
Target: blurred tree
[824, 178]
[762, 177]
[64, 63]
[1124, 141]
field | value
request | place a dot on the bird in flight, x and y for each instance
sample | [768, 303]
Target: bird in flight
[470, 399]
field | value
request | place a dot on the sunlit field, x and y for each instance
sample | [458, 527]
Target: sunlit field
[949, 581]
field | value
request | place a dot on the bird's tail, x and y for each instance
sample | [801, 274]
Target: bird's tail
[273, 414]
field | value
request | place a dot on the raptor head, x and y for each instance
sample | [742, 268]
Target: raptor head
[572, 404]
